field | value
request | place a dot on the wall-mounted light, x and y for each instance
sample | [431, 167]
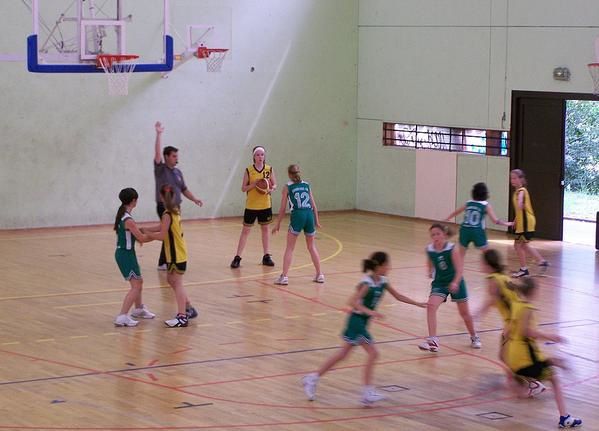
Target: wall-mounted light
[561, 74]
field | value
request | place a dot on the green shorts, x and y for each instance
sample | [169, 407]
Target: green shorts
[473, 234]
[127, 262]
[355, 333]
[302, 220]
[442, 289]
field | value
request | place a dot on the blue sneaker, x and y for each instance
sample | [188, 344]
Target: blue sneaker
[569, 422]
[191, 312]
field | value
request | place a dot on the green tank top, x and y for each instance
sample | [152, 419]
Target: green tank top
[442, 263]
[375, 292]
[474, 214]
[125, 240]
[298, 195]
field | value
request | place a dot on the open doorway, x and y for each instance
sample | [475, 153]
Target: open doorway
[581, 176]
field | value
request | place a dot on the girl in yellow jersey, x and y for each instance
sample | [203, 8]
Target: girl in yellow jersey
[523, 355]
[175, 249]
[257, 206]
[501, 294]
[524, 224]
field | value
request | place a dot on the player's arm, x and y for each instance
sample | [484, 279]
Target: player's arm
[455, 213]
[165, 222]
[495, 219]
[429, 268]
[189, 195]
[458, 264]
[281, 213]
[272, 180]
[521, 199]
[403, 298]
[492, 296]
[534, 333]
[131, 226]
[158, 142]
[355, 302]
[246, 185]
[315, 210]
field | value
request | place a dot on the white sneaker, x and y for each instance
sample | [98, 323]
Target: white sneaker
[283, 280]
[124, 320]
[142, 313]
[319, 278]
[371, 396]
[310, 381]
[161, 267]
[475, 342]
[431, 344]
[535, 388]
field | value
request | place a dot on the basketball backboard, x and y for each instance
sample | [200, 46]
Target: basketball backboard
[68, 35]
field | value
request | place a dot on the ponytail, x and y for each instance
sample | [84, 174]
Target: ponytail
[374, 261]
[168, 196]
[493, 259]
[126, 196]
[526, 287]
[294, 173]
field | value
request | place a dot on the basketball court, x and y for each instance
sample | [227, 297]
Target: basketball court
[315, 83]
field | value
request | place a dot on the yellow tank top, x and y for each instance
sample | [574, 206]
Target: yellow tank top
[525, 217]
[506, 296]
[256, 200]
[522, 351]
[175, 248]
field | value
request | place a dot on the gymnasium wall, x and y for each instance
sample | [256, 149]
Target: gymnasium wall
[455, 64]
[68, 147]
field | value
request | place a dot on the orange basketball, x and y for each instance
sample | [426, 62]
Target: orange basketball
[263, 186]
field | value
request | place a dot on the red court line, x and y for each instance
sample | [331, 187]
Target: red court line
[298, 373]
[153, 362]
[181, 351]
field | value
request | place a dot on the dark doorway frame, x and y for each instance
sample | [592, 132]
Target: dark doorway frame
[516, 149]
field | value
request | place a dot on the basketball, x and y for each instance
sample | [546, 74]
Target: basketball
[263, 186]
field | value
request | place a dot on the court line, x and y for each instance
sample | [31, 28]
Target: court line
[255, 356]
[189, 284]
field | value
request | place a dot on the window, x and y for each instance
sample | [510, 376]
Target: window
[490, 142]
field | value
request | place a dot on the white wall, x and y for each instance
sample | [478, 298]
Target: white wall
[68, 147]
[436, 62]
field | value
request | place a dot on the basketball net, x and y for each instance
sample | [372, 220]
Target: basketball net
[594, 71]
[214, 57]
[118, 72]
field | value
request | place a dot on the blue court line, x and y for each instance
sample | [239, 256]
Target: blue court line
[266, 355]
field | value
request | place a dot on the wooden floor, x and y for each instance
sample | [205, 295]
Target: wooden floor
[64, 366]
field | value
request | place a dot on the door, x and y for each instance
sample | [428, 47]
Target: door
[538, 127]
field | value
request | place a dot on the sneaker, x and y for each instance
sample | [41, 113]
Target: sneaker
[475, 342]
[310, 381]
[124, 320]
[569, 422]
[283, 280]
[267, 260]
[191, 312]
[142, 313]
[371, 396]
[319, 278]
[179, 321]
[161, 267]
[521, 273]
[236, 262]
[543, 266]
[431, 344]
[535, 388]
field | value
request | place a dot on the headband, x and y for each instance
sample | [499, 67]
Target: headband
[258, 148]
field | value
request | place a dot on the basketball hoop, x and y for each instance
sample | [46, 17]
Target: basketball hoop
[214, 57]
[117, 71]
[594, 71]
